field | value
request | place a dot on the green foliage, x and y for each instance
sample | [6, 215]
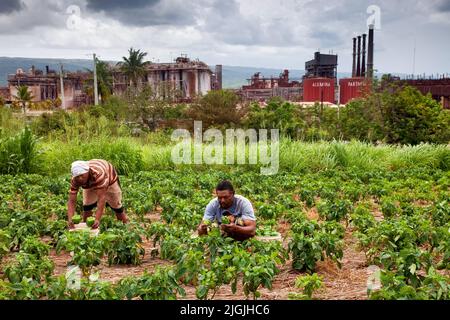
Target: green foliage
[134, 65]
[336, 210]
[5, 243]
[88, 250]
[394, 287]
[277, 114]
[160, 285]
[19, 153]
[57, 288]
[24, 96]
[28, 266]
[36, 247]
[126, 247]
[351, 181]
[311, 243]
[396, 115]
[218, 108]
[308, 284]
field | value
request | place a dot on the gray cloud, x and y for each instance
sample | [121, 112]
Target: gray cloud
[34, 14]
[142, 13]
[9, 6]
[112, 5]
[443, 6]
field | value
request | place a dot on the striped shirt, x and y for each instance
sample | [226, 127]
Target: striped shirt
[101, 175]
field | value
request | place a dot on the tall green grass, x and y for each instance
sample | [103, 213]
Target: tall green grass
[57, 157]
[295, 156]
[19, 153]
[129, 155]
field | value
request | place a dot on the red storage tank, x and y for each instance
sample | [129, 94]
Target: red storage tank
[319, 90]
[352, 88]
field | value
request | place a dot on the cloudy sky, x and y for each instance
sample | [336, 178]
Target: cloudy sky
[261, 33]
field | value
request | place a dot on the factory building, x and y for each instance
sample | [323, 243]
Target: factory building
[320, 79]
[47, 86]
[183, 78]
[4, 95]
[319, 90]
[263, 89]
[322, 66]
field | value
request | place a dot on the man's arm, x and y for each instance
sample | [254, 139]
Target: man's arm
[210, 212]
[101, 202]
[71, 206]
[241, 232]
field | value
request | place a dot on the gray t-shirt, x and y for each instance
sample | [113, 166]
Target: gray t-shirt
[241, 207]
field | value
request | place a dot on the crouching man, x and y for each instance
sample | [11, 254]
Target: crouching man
[101, 187]
[242, 224]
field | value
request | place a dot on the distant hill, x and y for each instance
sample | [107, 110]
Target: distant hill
[233, 76]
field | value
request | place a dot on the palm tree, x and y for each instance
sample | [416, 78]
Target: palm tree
[134, 66]
[104, 80]
[23, 96]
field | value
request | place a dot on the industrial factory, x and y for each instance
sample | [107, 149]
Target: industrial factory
[262, 89]
[47, 86]
[184, 78]
[320, 82]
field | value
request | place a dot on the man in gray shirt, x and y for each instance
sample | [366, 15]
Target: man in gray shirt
[242, 224]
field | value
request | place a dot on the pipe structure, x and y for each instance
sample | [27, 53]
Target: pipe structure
[363, 63]
[354, 58]
[358, 63]
[370, 52]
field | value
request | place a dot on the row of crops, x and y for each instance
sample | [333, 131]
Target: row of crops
[410, 242]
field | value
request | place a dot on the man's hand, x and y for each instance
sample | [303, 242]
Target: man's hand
[229, 228]
[202, 229]
[96, 224]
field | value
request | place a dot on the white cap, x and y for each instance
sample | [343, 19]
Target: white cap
[79, 168]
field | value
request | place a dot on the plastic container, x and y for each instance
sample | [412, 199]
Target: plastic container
[83, 227]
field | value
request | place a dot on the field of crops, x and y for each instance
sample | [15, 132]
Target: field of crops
[335, 224]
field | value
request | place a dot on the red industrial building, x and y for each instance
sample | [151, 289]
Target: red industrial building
[319, 90]
[438, 88]
[352, 88]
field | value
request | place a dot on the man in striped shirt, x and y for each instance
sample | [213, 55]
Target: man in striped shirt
[101, 187]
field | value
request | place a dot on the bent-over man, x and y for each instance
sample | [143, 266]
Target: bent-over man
[101, 187]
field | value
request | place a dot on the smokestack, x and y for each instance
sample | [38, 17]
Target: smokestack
[370, 53]
[354, 58]
[363, 63]
[358, 64]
